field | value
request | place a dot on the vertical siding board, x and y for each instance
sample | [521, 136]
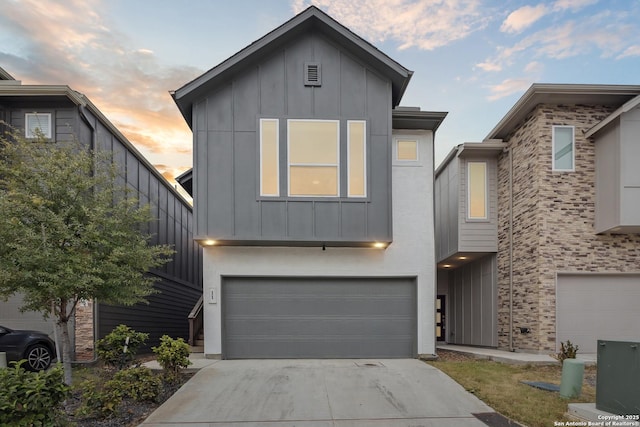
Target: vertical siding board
[354, 225]
[247, 209]
[326, 98]
[299, 98]
[272, 86]
[300, 220]
[352, 86]
[245, 101]
[327, 220]
[378, 98]
[378, 212]
[219, 186]
[274, 224]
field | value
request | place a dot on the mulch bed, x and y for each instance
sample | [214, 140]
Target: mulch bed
[130, 413]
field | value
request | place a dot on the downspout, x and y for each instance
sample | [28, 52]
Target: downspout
[92, 146]
[510, 249]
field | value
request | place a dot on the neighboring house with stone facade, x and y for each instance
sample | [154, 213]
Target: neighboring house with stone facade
[538, 226]
[63, 114]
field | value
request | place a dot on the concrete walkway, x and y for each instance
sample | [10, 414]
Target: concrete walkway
[319, 393]
[512, 357]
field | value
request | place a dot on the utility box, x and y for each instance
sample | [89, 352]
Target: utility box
[618, 378]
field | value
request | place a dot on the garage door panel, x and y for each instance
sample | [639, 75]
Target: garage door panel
[593, 307]
[325, 318]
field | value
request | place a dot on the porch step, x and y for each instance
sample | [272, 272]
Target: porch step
[199, 342]
[197, 349]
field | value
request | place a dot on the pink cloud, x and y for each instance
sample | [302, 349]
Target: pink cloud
[523, 18]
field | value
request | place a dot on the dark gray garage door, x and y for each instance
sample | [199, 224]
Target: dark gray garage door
[318, 318]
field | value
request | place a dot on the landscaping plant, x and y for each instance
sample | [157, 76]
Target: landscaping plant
[31, 398]
[172, 355]
[118, 349]
[567, 351]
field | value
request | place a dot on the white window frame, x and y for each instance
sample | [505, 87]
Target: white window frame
[27, 130]
[486, 192]
[277, 157]
[397, 150]
[337, 165]
[364, 155]
[553, 148]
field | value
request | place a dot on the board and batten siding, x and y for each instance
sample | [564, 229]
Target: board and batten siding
[226, 149]
[447, 200]
[478, 235]
[179, 281]
[473, 300]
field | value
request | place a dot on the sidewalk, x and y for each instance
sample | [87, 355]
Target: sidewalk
[198, 361]
[512, 357]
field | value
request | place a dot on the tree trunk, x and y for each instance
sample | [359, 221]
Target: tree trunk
[63, 327]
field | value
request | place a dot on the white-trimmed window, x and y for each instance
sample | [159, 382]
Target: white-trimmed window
[314, 158]
[37, 124]
[563, 148]
[407, 150]
[269, 158]
[357, 155]
[477, 206]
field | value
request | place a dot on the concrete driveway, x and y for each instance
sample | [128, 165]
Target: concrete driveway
[319, 393]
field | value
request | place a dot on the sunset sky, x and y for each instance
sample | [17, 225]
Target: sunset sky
[472, 58]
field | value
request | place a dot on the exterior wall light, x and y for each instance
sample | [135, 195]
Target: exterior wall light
[379, 245]
[209, 242]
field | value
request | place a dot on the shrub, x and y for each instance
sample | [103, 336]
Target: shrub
[31, 398]
[103, 398]
[567, 351]
[173, 355]
[114, 350]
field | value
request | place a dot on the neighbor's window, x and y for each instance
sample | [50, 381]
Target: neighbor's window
[563, 148]
[357, 148]
[37, 124]
[477, 190]
[269, 164]
[314, 157]
[407, 150]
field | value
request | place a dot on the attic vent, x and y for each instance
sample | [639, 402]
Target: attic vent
[312, 74]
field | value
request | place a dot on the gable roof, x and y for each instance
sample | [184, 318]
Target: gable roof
[568, 94]
[628, 106]
[310, 18]
[17, 90]
[4, 75]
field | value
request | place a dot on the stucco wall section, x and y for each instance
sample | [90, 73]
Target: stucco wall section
[84, 330]
[554, 215]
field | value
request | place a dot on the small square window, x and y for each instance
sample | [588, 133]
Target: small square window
[407, 150]
[37, 124]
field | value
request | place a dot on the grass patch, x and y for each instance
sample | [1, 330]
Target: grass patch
[498, 385]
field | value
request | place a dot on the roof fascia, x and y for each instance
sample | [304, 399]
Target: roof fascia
[4, 75]
[431, 119]
[629, 105]
[530, 99]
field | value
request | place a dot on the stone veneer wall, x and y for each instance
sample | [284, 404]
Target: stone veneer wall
[84, 330]
[554, 214]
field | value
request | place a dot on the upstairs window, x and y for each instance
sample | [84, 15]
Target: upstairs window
[37, 124]
[356, 163]
[269, 162]
[563, 148]
[314, 158]
[407, 150]
[477, 190]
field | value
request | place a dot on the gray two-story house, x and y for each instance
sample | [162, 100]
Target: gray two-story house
[312, 199]
[63, 114]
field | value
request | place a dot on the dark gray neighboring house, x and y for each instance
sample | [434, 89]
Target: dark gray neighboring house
[313, 199]
[64, 114]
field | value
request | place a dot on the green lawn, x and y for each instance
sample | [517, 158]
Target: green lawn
[499, 386]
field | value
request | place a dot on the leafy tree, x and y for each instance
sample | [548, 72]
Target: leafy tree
[70, 231]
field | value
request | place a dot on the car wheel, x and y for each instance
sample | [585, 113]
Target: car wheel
[38, 357]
